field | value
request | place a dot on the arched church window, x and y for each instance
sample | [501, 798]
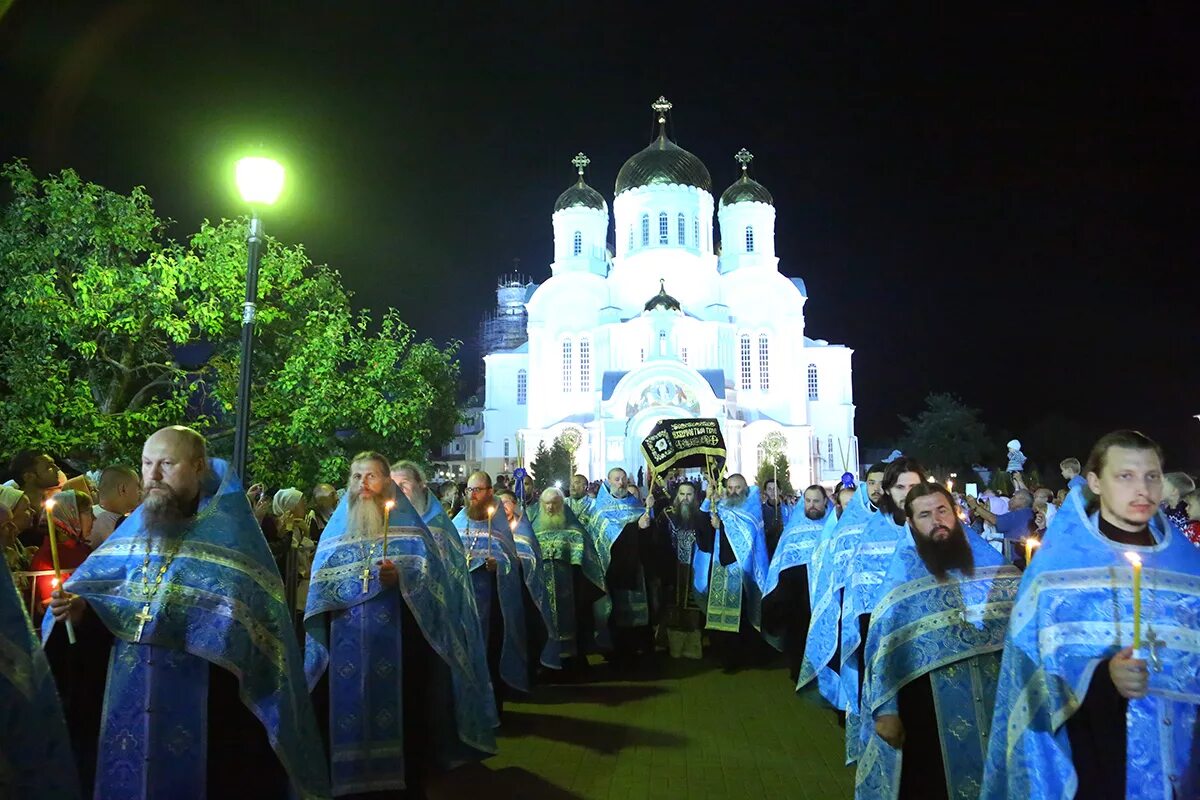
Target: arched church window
[585, 365]
[631, 236]
[567, 374]
[577, 244]
[506, 448]
[662, 343]
[812, 382]
[745, 362]
[764, 365]
[696, 232]
[683, 355]
[682, 230]
[829, 450]
[749, 239]
[645, 230]
[662, 228]
[522, 386]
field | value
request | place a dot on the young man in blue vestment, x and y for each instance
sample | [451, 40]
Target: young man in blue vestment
[786, 595]
[1100, 681]
[185, 680]
[932, 658]
[398, 679]
[578, 500]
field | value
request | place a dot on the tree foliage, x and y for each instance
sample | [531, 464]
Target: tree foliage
[113, 330]
[553, 463]
[947, 436]
[775, 467]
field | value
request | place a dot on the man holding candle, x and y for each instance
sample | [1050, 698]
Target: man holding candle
[1100, 680]
[406, 692]
[495, 570]
[186, 644]
[932, 657]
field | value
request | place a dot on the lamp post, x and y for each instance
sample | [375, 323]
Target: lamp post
[259, 181]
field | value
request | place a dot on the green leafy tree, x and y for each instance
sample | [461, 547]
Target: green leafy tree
[553, 463]
[947, 436]
[99, 305]
[775, 467]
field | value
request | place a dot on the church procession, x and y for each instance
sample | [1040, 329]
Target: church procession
[178, 633]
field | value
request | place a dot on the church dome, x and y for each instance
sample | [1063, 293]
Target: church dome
[662, 299]
[745, 189]
[663, 162]
[580, 196]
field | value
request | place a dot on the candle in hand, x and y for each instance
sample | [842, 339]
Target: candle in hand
[1031, 544]
[387, 517]
[57, 582]
[1136, 561]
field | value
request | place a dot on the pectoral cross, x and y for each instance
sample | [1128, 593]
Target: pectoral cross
[1152, 644]
[366, 579]
[142, 617]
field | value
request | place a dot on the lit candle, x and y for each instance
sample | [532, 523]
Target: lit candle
[491, 511]
[1136, 561]
[57, 582]
[387, 521]
[949, 485]
[1031, 544]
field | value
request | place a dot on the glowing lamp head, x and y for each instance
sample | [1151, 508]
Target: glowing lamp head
[1134, 559]
[259, 180]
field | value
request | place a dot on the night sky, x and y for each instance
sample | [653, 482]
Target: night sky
[1001, 204]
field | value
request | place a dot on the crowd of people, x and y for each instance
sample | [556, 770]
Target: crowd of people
[201, 639]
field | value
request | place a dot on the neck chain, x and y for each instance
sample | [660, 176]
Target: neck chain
[148, 590]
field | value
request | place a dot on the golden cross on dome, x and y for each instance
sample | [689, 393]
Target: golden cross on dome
[744, 157]
[661, 106]
[580, 161]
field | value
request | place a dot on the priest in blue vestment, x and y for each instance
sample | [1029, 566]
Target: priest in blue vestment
[732, 577]
[500, 592]
[401, 686]
[623, 615]
[35, 754]
[932, 658]
[185, 677]
[786, 595]
[1095, 700]
[864, 578]
[578, 500]
[840, 538]
[543, 638]
[573, 572]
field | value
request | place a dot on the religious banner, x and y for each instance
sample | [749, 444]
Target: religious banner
[677, 443]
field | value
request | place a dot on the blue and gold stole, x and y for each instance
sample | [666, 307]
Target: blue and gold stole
[797, 545]
[626, 608]
[534, 571]
[827, 582]
[724, 585]
[514, 661]
[951, 631]
[355, 634]
[1075, 609]
[35, 753]
[562, 551]
[221, 602]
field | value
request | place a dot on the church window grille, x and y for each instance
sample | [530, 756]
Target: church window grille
[829, 451]
[631, 236]
[567, 374]
[749, 239]
[764, 366]
[663, 228]
[662, 343]
[506, 448]
[577, 244]
[683, 355]
[645, 230]
[642, 354]
[682, 230]
[585, 365]
[813, 386]
[696, 232]
[522, 386]
[745, 353]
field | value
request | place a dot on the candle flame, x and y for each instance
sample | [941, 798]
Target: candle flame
[1033, 544]
[1134, 558]
[491, 510]
[49, 504]
[389, 505]
[54, 583]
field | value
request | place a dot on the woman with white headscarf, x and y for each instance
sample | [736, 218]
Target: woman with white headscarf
[293, 524]
[15, 516]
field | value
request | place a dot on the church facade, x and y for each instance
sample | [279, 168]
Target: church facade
[668, 325]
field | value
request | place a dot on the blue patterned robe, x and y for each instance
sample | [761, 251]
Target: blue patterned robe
[581, 508]
[952, 632]
[564, 551]
[514, 659]
[534, 571]
[627, 608]
[864, 581]
[1073, 611]
[35, 754]
[827, 587]
[725, 585]
[797, 547]
[356, 635]
[221, 602]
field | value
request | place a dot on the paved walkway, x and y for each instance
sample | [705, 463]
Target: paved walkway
[691, 731]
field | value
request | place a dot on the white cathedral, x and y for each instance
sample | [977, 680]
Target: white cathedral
[667, 326]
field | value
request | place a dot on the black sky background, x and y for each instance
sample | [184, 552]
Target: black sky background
[995, 201]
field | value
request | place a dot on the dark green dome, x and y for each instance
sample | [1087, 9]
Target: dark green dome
[746, 190]
[661, 164]
[580, 196]
[662, 299]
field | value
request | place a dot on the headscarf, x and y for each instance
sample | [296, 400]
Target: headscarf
[10, 496]
[285, 501]
[66, 512]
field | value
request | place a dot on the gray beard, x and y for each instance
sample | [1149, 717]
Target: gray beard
[620, 495]
[735, 500]
[548, 522]
[365, 517]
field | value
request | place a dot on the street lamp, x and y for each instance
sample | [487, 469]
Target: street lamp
[259, 180]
